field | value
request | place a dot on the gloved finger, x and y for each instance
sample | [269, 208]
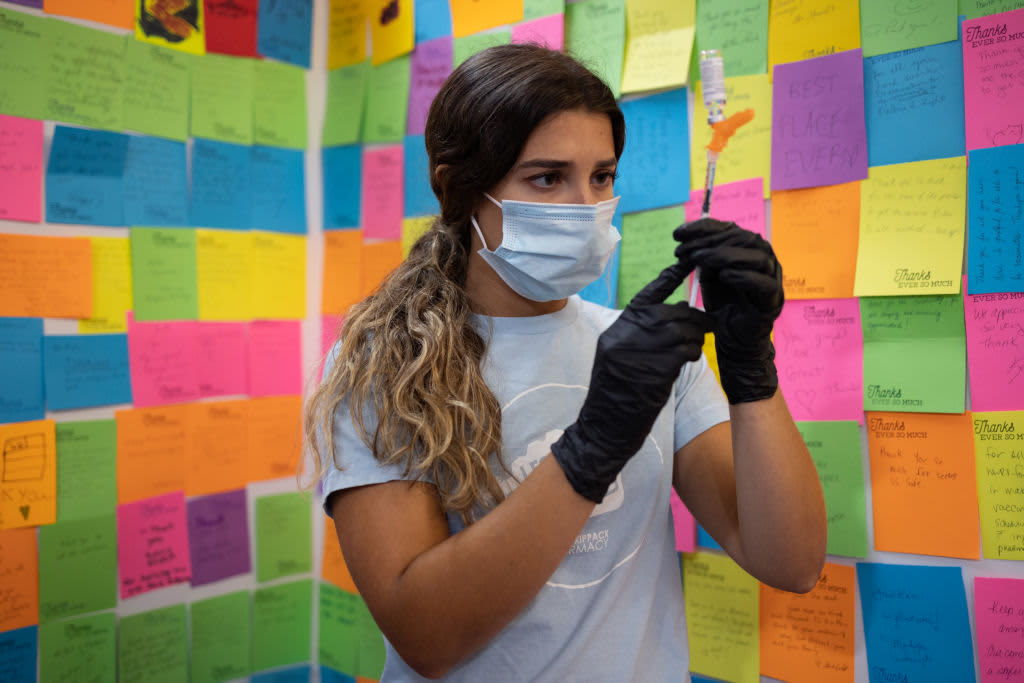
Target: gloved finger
[662, 286]
[736, 238]
[734, 258]
[694, 318]
[765, 291]
[702, 227]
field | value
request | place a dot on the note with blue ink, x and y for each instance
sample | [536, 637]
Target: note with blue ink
[88, 370]
[343, 176]
[284, 30]
[655, 166]
[85, 177]
[278, 189]
[433, 20]
[995, 184]
[155, 182]
[21, 369]
[18, 654]
[221, 185]
[419, 197]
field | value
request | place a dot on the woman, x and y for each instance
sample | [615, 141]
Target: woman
[480, 557]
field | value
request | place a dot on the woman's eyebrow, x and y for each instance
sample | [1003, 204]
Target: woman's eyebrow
[543, 163]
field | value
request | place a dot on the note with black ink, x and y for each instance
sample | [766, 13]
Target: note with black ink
[282, 621]
[279, 284]
[739, 30]
[284, 30]
[279, 105]
[430, 64]
[223, 274]
[659, 43]
[222, 368]
[595, 31]
[646, 249]
[156, 93]
[350, 641]
[19, 592]
[86, 469]
[419, 196]
[18, 649]
[382, 192]
[802, 29]
[995, 247]
[278, 190]
[161, 361]
[84, 76]
[155, 182]
[21, 168]
[655, 166]
[152, 549]
[222, 95]
[836, 450]
[343, 176]
[82, 371]
[28, 489]
[111, 286]
[995, 350]
[387, 100]
[153, 645]
[85, 177]
[993, 84]
[164, 274]
[21, 369]
[82, 649]
[221, 630]
[48, 277]
[888, 26]
[283, 536]
[218, 536]
[85, 549]
[275, 437]
[151, 444]
[221, 185]
[215, 450]
[999, 455]
[275, 358]
[999, 623]
[24, 62]
[346, 96]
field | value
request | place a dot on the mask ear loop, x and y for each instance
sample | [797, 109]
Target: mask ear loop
[476, 225]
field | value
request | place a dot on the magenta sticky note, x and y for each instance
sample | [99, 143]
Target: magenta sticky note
[999, 624]
[430, 64]
[275, 358]
[995, 350]
[741, 202]
[382, 198]
[221, 367]
[21, 169]
[329, 326]
[686, 528]
[993, 85]
[819, 353]
[161, 357]
[547, 31]
[818, 131]
[218, 536]
[152, 544]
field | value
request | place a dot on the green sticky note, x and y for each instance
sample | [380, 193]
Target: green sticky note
[595, 33]
[646, 249]
[156, 92]
[836, 450]
[973, 9]
[739, 30]
[535, 9]
[77, 567]
[221, 638]
[85, 76]
[284, 542]
[222, 96]
[86, 469]
[164, 274]
[279, 105]
[346, 97]
[915, 353]
[387, 101]
[282, 621]
[350, 641]
[153, 646]
[887, 26]
[23, 64]
[467, 46]
[82, 649]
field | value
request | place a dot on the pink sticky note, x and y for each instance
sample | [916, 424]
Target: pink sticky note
[221, 361]
[328, 335]
[819, 353]
[21, 169]
[999, 622]
[741, 202]
[161, 356]
[995, 350]
[993, 88]
[686, 528]
[152, 544]
[275, 358]
[430, 64]
[547, 31]
[383, 202]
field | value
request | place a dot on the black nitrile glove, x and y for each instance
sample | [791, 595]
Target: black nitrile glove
[638, 359]
[741, 282]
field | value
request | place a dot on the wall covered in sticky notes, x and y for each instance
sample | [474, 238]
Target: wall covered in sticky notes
[190, 201]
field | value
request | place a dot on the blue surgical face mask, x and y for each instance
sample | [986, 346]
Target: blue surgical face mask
[551, 251]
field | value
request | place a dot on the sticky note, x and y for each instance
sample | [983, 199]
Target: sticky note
[465, 47]
[84, 76]
[994, 214]
[378, 260]
[279, 275]
[278, 189]
[739, 30]
[283, 536]
[659, 42]
[150, 452]
[21, 168]
[342, 285]
[836, 450]
[111, 286]
[433, 20]
[221, 637]
[740, 202]
[646, 249]
[803, 29]
[223, 274]
[160, 356]
[382, 192]
[85, 549]
[221, 185]
[19, 593]
[111, 12]
[152, 551]
[342, 176]
[535, 9]
[25, 58]
[82, 371]
[915, 622]
[419, 197]
[295, 674]
[28, 490]
[998, 452]
[222, 368]
[231, 27]
[333, 567]
[282, 620]
[391, 29]
[222, 95]
[429, 66]
[923, 484]
[387, 100]
[86, 469]
[156, 91]
[346, 97]
[275, 357]
[79, 649]
[886, 28]
[602, 291]
[548, 31]
[153, 646]
[995, 359]
[183, 29]
[595, 32]
[85, 177]
[653, 168]
[413, 229]
[21, 369]
[18, 650]
[164, 274]
[218, 536]
[275, 437]
[972, 9]
[683, 524]
[284, 31]
[47, 277]
[469, 16]
[350, 641]
[215, 455]
[155, 182]
[993, 93]
[346, 33]
[279, 105]
[999, 621]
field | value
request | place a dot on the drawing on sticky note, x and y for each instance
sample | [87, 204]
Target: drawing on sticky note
[172, 20]
[24, 458]
[1012, 134]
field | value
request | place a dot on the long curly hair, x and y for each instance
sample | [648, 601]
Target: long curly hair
[409, 352]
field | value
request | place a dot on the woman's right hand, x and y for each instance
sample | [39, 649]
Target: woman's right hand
[638, 359]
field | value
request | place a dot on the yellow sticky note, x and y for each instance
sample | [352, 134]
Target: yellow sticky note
[749, 153]
[111, 286]
[278, 268]
[346, 37]
[222, 271]
[998, 453]
[28, 488]
[390, 29]
[179, 26]
[413, 229]
[659, 43]
[912, 228]
[802, 29]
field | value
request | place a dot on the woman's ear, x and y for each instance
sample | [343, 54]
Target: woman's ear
[439, 174]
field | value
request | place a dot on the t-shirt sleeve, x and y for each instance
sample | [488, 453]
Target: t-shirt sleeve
[700, 403]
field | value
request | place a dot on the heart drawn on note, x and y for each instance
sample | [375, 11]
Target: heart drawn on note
[24, 511]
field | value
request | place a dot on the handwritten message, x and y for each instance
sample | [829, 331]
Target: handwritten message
[891, 26]
[993, 84]
[155, 182]
[21, 169]
[346, 33]
[84, 75]
[279, 105]
[111, 286]
[275, 437]
[278, 190]
[999, 622]
[282, 617]
[835, 448]
[216, 452]
[218, 536]
[223, 274]
[280, 291]
[19, 587]
[430, 64]
[739, 30]
[18, 650]
[221, 629]
[995, 349]
[346, 95]
[152, 549]
[802, 29]
[45, 276]
[659, 43]
[646, 249]
[164, 274]
[24, 61]
[995, 249]
[999, 453]
[222, 368]
[28, 488]
[222, 96]
[284, 31]
[382, 201]
[342, 175]
[85, 549]
[595, 31]
[86, 370]
[85, 177]
[275, 357]
[342, 270]
[153, 645]
[283, 536]
[160, 357]
[156, 90]
[79, 649]
[345, 619]
[86, 469]
[741, 202]
[654, 165]
[150, 443]
[387, 99]
[221, 185]
[21, 367]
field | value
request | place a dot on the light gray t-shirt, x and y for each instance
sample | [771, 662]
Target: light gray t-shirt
[613, 610]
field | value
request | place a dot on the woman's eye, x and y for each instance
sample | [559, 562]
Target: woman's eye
[545, 180]
[605, 177]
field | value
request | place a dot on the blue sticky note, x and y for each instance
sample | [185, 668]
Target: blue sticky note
[694, 678]
[419, 198]
[221, 185]
[655, 167]
[278, 189]
[995, 178]
[18, 654]
[602, 291]
[914, 109]
[294, 674]
[329, 675]
[284, 30]
[433, 20]
[342, 186]
[21, 370]
[86, 370]
[155, 182]
[704, 539]
[85, 177]
[915, 623]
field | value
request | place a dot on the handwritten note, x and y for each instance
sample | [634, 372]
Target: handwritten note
[18, 650]
[279, 105]
[24, 60]
[85, 549]
[391, 29]
[280, 291]
[741, 202]
[85, 177]
[275, 357]
[218, 536]
[548, 31]
[28, 490]
[222, 96]
[999, 623]
[999, 454]
[111, 286]
[164, 285]
[344, 619]
[419, 196]
[79, 649]
[346, 97]
[152, 551]
[160, 357]
[646, 249]
[86, 469]
[346, 33]
[993, 86]
[595, 31]
[275, 437]
[222, 368]
[654, 165]
[994, 248]
[283, 535]
[86, 370]
[333, 567]
[802, 29]
[231, 26]
[150, 447]
[156, 90]
[223, 274]
[430, 64]
[915, 623]
[21, 369]
[888, 27]
[382, 192]
[972, 9]
[221, 629]
[433, 20]
[155, 182]
[278, 190]
[284, 31]
[282, 617]
[342, 285]
[153, 645]
[739, 30]
[467, 46]
[922, 484]
[183, 29]
[21, 168]
[84, 76]
[469, 16]
[221, 185]
[995, 350]
[387, 100]
[19, 565]
[216, 454]
[342, 174]
[659, 42]
[47, 277]
[413, 229]
[377, 262]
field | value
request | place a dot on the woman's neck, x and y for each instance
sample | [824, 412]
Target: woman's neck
[489, 295]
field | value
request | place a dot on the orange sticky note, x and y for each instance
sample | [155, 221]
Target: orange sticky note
[275, 437]
[923, 487]
[19, 589]
[120, 13]
[810, 637]
[333, 567]
[473, 16]
[45, 277]
[151, 445]
[343, 282]
[379, 259]
[217, 451]
[814, 234]
[28, 488]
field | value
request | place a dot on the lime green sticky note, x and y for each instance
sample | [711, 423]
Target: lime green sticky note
[284, 541]
[222, 95]
[221, 638]
[82, 649]
[23, 64]
[739, 30]
[153, 646]
[282, 620]
[77, 567]
[85, 76]
[467, 46]
[886, 26]
[535, 9]
[156, 90]
[836, 450]
[595, 32]
[915, 353]
[346, 97]
[350, 641]
[164, 280]
[86, 469]
[646, 249]
[387, 101]
[279, 105]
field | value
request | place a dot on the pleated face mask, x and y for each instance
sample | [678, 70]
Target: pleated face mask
[551, 251]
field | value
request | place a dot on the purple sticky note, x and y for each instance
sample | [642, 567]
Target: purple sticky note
[818, 131]
[38, 4]
[218, 536]
[430, 64]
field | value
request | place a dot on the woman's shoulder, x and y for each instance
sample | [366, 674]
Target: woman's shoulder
[597, 315]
